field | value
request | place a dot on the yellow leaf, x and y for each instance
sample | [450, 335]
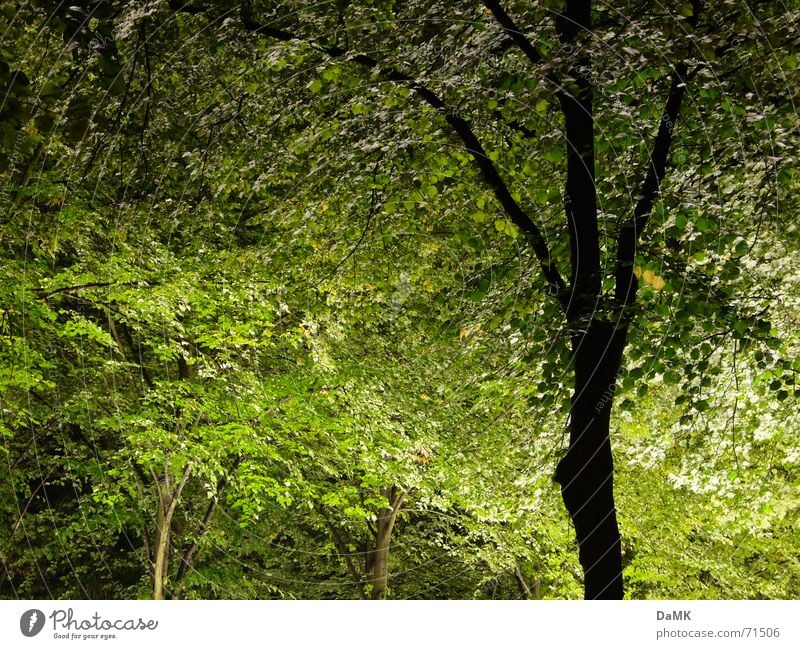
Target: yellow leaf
[648, 276]
[658, 283]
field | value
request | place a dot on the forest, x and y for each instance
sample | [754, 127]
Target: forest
[399, 299]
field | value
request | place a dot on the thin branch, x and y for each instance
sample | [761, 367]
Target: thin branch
[460, 126]
[735, 405]
[626, 283]
[522, 583]
[176, 496]
[462, 129]
[344, 553]
[514, 33]
[167, 481]
[398, 503]
[24, 451]
[157, 483]
[42, 294]
[24, 510]
[373, 204]
[125, 331]
[189, 553]
[147, 548]
[118, 118]
[489, 172]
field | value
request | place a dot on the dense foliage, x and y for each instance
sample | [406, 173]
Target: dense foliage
[282, 310]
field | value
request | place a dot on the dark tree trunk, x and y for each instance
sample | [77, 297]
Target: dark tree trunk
[586, 471]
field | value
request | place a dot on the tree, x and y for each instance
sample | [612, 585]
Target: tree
[597, 317]
[463, 127]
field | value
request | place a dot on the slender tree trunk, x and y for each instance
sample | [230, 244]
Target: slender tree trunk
[529, 591]
[383, 539]
[380, 567]
[161, 562]
[167, 503]
[586, 471]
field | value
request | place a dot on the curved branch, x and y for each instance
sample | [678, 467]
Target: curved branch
[462, 129]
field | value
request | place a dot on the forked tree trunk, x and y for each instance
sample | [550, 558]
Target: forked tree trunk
[383, 539]
[586, 471]
[167, 503]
